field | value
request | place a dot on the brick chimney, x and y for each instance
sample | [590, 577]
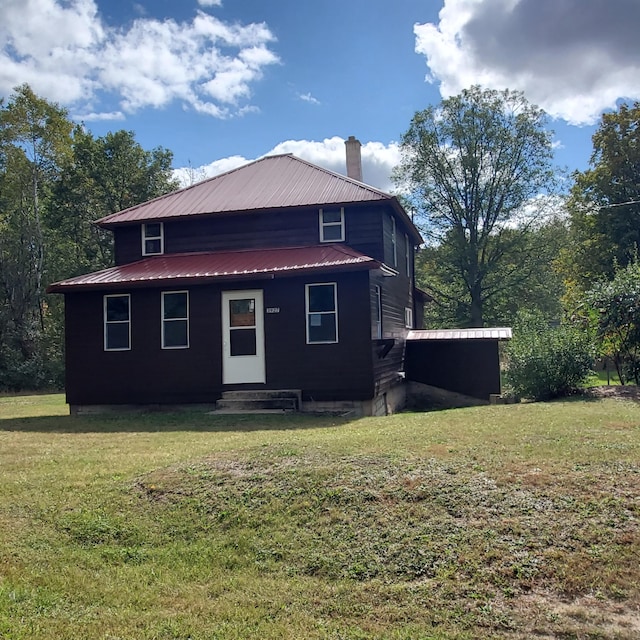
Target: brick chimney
[354, 159]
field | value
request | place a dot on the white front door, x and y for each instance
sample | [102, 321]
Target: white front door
[243, 337]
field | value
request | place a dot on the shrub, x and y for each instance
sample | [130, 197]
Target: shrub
[616, 308]
[545, 362]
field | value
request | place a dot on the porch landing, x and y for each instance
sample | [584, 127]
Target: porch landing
[260, 401]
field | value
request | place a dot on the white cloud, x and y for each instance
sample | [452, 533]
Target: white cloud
[94, 117]
[307, 97]
[573, 58]
[378, 160]
[210, 3]
[67, 53]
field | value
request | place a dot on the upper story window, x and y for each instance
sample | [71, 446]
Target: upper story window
[332, 225]
[117, 322]
[322, 313]
[377, 320]
[394, 243]
[408, 317]
[175, 319]
[152, 239]
[407, 255]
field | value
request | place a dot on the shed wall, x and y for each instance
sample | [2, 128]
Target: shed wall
[471, 367]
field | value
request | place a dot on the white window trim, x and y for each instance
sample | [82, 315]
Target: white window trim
[324, 224]
[378, 308]
[146, 237]
[408, 318]
[163, 320]
[394, 243]
[407, 255]
[108, 322]
[308, 313]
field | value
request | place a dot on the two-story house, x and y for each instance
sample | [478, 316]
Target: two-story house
[278, 275]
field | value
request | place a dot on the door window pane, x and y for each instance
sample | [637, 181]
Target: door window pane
[242, 313]
[243, 342]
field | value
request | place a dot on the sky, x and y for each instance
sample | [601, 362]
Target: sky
[224, 82]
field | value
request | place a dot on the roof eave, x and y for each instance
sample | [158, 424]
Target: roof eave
[62, 287]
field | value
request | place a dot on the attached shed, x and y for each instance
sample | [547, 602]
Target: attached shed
[466, 361]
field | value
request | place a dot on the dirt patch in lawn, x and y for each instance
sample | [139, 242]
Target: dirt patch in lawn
[616, 391]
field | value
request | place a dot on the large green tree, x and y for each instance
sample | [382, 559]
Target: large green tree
[528, 278]
[105, 175]
[605, 202]
[55, 180]
[35, 143]
[474, 170]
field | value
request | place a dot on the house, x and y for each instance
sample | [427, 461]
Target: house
[278, 275]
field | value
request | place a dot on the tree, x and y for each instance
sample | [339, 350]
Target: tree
[474, 168]
[615, 306]
[55, 180]
[105, 175]
[35, 142]
[532, 255]
[605, 202]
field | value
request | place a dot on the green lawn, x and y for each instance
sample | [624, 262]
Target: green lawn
[512, 521]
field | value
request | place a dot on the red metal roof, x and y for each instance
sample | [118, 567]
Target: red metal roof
[186, 268]
[272, 182]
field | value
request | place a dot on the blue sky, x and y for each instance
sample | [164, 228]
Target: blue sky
[222, 82]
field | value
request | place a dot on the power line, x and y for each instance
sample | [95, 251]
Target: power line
[620, 204]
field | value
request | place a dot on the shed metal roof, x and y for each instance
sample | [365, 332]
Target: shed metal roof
[189, 268]
[269, 183]
[486, 333]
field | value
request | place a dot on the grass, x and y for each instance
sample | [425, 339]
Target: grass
[511, 521]
[600, 377]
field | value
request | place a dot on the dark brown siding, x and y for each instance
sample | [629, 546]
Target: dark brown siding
[298, 227]
[340, 371]
[128, 244]
[148, 374]
[397, 294]
[471, 367]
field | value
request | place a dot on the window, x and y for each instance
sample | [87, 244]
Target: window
[377, 320]
[332, 225]
[394, 247]
[175, 319]
[152, 239]
[322, 313]
[407, 255]
[408, 317]
[117, 322]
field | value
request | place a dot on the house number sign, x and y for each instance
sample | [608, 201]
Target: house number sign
[273, 309]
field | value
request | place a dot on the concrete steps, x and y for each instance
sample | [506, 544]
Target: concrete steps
[259, 401]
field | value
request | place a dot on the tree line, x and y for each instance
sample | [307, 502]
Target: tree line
[507, 244]
[55, 180]
[503, 233]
